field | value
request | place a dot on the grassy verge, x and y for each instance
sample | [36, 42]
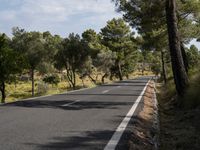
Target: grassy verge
[179, 127]
[22, 89]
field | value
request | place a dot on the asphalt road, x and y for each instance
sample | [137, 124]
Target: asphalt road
[80, 120]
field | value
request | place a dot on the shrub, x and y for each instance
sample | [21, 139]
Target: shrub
[42, 88]
[52, 79]
[192, 96]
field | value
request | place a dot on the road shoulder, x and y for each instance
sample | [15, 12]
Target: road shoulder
[145, 125]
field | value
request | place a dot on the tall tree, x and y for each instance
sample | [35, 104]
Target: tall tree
[102, 58]
[94, 46]
[31, 46]
[9, 62]
[51, 46]
[117, 37]
[179, 72]
[105, 61]
[71, 56]
[152, 15]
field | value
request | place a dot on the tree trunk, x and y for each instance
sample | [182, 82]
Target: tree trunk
[83, 84]
[163, 67]
[143, 68]
[103, 77]
[179, 72]
[111, 76]
[93, 80]
[127, 76]
[185, 59]
[32, 80]
[119, 70]
[3, 92]
[71, 76]
[74, 79]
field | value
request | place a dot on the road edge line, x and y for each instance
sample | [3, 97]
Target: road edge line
[111, 145]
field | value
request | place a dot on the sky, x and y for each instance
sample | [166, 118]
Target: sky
[57, 16]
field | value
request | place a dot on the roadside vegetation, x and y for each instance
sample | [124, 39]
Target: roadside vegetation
[22, 89]
[166, 27]
[36, 63]
[179, 123]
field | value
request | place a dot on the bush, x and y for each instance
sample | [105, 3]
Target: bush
[192, 96]
[52, 79]
[42, 88]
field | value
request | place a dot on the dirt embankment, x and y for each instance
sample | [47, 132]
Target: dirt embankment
[144, 134]
[179, 127]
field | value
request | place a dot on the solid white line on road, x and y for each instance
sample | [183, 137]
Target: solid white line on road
[106, 91]
[121, 128]
[71, 103]
[118, 86]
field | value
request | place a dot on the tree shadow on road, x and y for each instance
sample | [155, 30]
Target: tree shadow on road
[79, 104]
[61, 104]
[93, 140]
[90, 140]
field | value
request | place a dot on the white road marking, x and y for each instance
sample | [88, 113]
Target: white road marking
[106, 91]
[121, 128]
[71, 103]
[118, 86]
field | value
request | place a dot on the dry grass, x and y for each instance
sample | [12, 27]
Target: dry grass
[144, 129]
[22, 89]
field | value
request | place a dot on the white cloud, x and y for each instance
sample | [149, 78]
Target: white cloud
[59, 14]
[7, 15]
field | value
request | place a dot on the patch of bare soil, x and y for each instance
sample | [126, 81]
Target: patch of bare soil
[144, 128]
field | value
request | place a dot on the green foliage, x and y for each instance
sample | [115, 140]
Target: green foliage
[72, 57]
[105, 60]
[9, 62]
[101, 57]
[52, 79]
[35, 47]
[7, 59]
[51, 45]
[72, 54]
[31, 46]
[119, 39]
[193, 55]
[45, 68]
[93, 42]
[155, 62]
[191, 99]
